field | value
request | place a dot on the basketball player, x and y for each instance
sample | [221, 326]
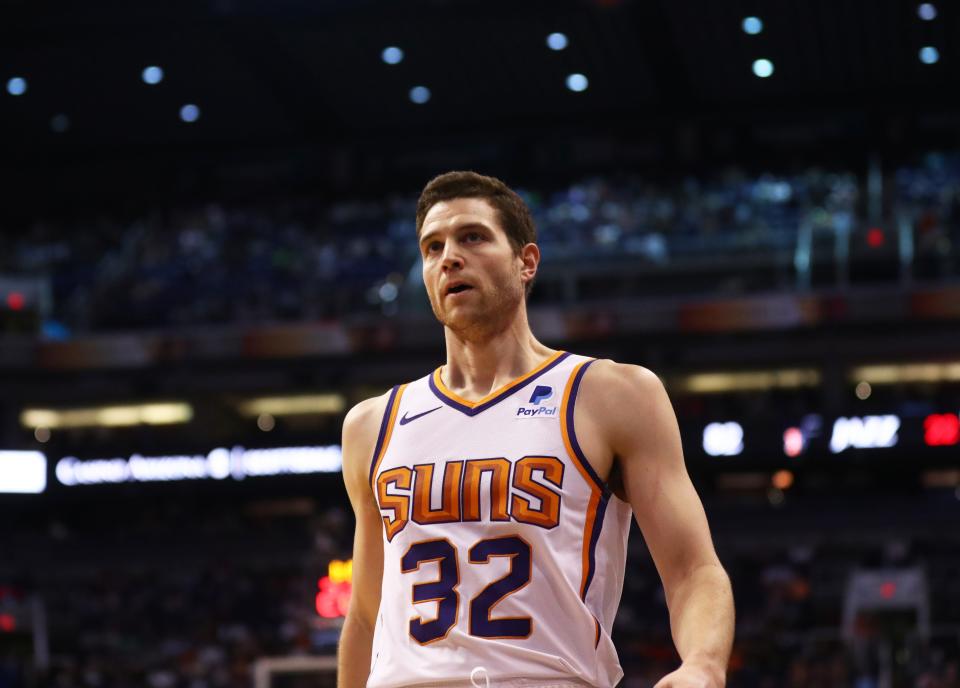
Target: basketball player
[493, 497]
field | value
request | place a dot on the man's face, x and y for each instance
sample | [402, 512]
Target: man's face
[470, 270]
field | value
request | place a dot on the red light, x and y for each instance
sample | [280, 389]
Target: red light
[7, 623]
[941, 430]
[333, 600]
[888, 590]
[15, 300]
[875, 237]
[792, 442]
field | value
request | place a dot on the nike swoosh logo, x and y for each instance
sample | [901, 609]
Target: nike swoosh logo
[406, 419]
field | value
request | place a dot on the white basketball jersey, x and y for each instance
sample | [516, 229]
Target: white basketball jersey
[502, 547]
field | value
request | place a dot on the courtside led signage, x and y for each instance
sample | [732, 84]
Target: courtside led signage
[868, 432]
[237, 463]
[723, 439]
[941, 430]
[23, 472]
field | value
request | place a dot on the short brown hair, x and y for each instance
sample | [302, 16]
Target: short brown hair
[513, 213]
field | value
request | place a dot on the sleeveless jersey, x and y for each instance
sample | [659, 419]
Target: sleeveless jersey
[503, 549]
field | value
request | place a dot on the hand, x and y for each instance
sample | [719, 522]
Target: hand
[692, 676]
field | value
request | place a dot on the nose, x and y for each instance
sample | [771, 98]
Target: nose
[451, 257]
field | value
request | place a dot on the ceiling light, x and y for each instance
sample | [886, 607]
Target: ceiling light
[929, 55]
[152, 75]
[926, 11]
[189, 113]
[392, 55]
[763, 68]
[557, 41]
[17, 86]
[752, 25]
[419, 94]
[577, 83]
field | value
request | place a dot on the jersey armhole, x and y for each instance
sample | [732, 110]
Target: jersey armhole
[386, 429]
[569, 431]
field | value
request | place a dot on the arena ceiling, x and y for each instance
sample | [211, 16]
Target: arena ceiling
[268, 72]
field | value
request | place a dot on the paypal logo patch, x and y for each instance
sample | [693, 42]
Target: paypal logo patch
[541, 393]
[535, 408]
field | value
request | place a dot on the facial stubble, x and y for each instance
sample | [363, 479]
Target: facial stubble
[482, 321]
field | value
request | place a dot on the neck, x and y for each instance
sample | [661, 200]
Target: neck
[477, 366]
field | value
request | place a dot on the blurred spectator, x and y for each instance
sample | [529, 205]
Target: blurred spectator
[296, 259]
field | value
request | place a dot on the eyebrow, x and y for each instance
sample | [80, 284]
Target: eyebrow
[469, 225]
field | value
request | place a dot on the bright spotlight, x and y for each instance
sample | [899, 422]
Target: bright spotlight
[752, 25]
[929, 55]
[577, 82]
[926, 11]
[189, 113]
[419, 94]
[17, 86]
[392, 55]
[557, 41]
[152, 75]
[762, 68]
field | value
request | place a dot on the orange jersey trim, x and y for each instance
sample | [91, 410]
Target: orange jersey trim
[598, 491]
[386, 431]
[453, 396]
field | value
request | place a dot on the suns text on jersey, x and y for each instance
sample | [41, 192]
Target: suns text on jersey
[527, 491]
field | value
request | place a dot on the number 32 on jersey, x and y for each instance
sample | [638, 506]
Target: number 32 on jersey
[444, 591]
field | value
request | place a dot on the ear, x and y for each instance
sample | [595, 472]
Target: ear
[530, 257]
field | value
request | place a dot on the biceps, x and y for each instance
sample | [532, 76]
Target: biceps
[674, 525]
[664, 501]
[367, 565]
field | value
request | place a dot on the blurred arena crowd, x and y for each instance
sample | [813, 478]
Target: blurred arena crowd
[296, 259]
[236, 589]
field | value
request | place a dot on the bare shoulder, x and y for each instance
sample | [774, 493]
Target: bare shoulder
[360, 429]
[610, 370]
[612, 384]
[623, 400]
[365, 416]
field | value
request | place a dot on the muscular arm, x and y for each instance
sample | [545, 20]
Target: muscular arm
[360, 430]
[638, 421]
